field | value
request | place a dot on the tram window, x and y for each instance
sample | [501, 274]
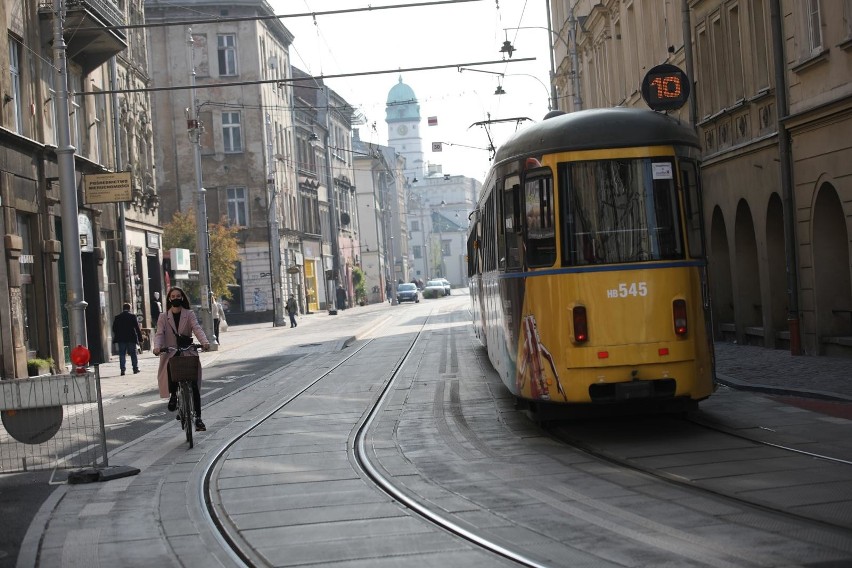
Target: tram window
[539, 222]
[693, 207]
[512, 224]
[501, 228]
[620, 211]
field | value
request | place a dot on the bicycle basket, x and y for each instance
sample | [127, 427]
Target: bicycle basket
[184, 368]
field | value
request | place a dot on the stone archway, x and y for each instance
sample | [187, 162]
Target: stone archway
[749, 309]
[832, 287]
[777, 261]
[721, 289]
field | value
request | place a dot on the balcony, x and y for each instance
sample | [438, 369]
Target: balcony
[89, 39]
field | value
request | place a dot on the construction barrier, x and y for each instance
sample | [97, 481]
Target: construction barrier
[52, 422]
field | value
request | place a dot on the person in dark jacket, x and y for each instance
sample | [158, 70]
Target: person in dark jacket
[127, 334]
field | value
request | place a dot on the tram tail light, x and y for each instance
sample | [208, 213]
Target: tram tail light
[679, 314]
[581, 324]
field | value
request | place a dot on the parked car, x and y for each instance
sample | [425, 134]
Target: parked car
[447, 287]
[407, 292]
[434, 289]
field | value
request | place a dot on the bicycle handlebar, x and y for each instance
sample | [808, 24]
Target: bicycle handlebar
[194, 346]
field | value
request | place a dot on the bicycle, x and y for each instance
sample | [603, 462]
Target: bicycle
[184, 370]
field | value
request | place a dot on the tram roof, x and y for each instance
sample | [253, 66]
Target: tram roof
[619, 127]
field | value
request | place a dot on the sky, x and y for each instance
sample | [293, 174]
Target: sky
[428, 36]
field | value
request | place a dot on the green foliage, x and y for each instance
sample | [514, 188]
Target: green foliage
[224, 251]
[36, 365]
[360, 282]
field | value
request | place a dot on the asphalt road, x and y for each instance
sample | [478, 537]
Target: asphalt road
[134, 411]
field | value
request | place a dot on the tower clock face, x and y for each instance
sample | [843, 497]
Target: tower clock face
[402, 130]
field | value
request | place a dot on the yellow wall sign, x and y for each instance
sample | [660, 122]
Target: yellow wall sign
[108, 188]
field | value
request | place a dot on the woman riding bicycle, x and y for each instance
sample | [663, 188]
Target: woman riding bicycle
[175, 327]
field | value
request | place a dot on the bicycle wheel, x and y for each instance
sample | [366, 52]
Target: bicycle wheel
[186, 403]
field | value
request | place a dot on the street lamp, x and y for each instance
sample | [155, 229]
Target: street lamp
[274, 236]
[508, 49]
[194, 127]
[314, 141]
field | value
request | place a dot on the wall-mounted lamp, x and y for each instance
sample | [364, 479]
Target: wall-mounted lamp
[259, 201]
[499, 90]
[313, 140]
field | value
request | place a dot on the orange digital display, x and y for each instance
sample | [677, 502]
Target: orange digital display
[665, 87]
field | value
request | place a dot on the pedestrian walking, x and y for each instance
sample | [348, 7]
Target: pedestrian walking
[218, 316]
[156, 308]
[341, 297]
[292, 310]
[127, 334]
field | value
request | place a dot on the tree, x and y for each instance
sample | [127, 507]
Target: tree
[224, 251]
[359, 280]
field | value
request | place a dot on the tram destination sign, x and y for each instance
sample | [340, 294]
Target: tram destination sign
[108, 188]
[665, 87]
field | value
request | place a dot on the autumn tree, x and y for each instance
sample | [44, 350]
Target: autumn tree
[224, 253]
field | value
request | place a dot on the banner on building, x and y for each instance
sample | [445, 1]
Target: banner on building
[107, 188]
[433, 121]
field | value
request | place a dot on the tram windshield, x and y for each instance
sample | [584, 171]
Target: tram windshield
[619, 211]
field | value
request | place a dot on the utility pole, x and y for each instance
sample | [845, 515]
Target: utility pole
[75, 305]
[274, 236]
[194, 127]
[335, 260]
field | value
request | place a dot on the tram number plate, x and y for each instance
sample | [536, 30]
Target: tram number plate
[625, 289]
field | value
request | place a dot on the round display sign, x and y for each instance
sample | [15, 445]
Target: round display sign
[33, 425]
[665, 87]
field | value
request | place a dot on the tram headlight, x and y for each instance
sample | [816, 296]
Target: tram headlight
[581, 324]
[679, 316]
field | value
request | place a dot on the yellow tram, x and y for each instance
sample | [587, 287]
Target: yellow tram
[586, 262]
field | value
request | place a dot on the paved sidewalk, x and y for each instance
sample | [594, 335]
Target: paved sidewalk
[774, 371]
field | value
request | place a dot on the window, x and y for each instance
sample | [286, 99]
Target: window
[415, 226]
[227, 44]
[620, 211]
[101, 136]
[539, 215]
[735, 43]
[692, 207]
[512, 223]
[47, 74]
[812, 16]
[722, 92]
[705, 73]
[15, 86]
[75, 117]
[236, 206]
[232, 132]
[761, 49]
[417, 251]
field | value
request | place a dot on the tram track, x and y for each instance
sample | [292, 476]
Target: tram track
[411, 490]
[612, 451]
[242, 552]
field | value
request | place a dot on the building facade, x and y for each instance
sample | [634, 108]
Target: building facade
[384, 245]
[772, 100]
[108, 130]
[242, 101]
[325, 172]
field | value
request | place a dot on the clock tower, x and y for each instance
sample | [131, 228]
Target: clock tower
[403, 120]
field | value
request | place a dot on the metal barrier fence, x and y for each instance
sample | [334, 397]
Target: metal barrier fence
[52, 422]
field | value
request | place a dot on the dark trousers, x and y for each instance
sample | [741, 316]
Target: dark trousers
[196, 394]
[216, 330]
[125, 347]
[293, 319]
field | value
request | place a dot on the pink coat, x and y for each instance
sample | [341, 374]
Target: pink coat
[165, 337]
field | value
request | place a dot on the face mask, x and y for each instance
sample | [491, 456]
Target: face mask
[175, 303]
